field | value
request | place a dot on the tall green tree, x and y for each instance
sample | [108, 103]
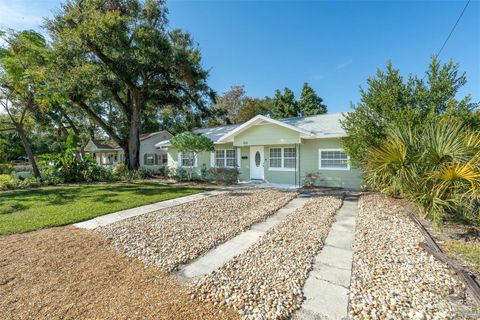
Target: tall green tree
[10, 144]
[22, 85]
[389, 100]
[228, 105]
[310, 103]
[121, 54]
[253, 107]
[284, 105]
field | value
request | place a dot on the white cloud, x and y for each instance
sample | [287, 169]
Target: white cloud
[344, 64]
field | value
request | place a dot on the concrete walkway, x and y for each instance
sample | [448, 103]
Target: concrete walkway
[107, 219]
[218, 256]
[326, 288]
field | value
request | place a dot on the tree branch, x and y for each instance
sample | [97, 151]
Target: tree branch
[111, 133]
[111, 65]
[124, 106]
[8, 129]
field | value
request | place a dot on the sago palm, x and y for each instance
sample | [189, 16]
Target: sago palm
[438, 168]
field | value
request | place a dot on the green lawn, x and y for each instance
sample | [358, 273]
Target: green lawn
[469, 253]
[27, 210]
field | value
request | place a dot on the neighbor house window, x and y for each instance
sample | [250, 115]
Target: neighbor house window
[148, 159]
[333, 159]
[283, 158]
[188, 160]
[225, 158]
[161, 159]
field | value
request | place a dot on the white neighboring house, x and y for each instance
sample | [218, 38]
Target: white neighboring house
[109, 153]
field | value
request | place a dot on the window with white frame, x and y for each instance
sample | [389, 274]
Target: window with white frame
[283, 158]
[161, 159]
[188, 160]
[148, 159]
[333, 159]
[225, 158]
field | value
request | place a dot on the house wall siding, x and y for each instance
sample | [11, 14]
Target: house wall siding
[148, 146]
[309, 163]
[271, 136]
[266, 134]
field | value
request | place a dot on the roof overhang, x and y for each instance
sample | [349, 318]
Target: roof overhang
[163, 144]
[257, 120]
[327, 136]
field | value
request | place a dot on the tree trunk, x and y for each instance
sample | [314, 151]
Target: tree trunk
[28, 150]
[132, 154]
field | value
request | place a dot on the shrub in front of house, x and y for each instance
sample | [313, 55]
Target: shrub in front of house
[223, 175]
[5, 180]
[311, 178]
[96, 173]
[182, 174]
[6, 168]
[121, 172]
[436, 167]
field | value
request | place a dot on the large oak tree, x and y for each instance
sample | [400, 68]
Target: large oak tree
[121, 55]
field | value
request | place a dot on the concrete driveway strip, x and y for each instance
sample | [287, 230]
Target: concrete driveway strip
[327, 286]
[217, 257]
[133, 212]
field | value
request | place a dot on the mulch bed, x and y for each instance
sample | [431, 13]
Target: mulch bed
[70, 273]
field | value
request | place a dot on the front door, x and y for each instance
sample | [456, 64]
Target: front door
[256, 163]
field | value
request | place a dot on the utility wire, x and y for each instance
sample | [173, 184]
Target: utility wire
[451, 32]
[453, 29]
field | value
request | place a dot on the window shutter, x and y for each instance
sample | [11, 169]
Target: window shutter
[144, 158]
[156, 159]
[179, 160]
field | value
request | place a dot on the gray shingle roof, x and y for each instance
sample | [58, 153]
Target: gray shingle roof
[321, 126]
[215, 133]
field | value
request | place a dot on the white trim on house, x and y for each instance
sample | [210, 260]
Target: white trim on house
[224, 158]
[282, 159]
[254, 169]
[329, 168]
[258, 119]
[238, 151]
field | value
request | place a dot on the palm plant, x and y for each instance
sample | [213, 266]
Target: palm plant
[436, 167]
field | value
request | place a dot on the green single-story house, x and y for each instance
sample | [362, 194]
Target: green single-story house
[281, 151]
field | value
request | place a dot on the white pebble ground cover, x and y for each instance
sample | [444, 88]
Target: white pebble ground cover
[266, 281]
[394, 278]
[173, 236]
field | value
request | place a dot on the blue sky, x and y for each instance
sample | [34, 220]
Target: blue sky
[335, 46]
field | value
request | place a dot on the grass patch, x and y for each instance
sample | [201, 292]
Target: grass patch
[468, 252]
[27, 210]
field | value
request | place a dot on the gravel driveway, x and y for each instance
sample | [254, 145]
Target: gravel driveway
[266, 281]
[174, 236]
[393, 278]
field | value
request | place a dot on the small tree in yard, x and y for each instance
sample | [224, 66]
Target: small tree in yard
[190, 145]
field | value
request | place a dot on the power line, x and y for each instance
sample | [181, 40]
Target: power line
[450, 34]
[453, 29]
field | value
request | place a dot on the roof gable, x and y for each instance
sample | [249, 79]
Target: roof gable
[258, 120]
[312, 127]
[165, 134]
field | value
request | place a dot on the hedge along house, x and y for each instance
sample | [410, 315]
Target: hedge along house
[277, 151]
[109, 153]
